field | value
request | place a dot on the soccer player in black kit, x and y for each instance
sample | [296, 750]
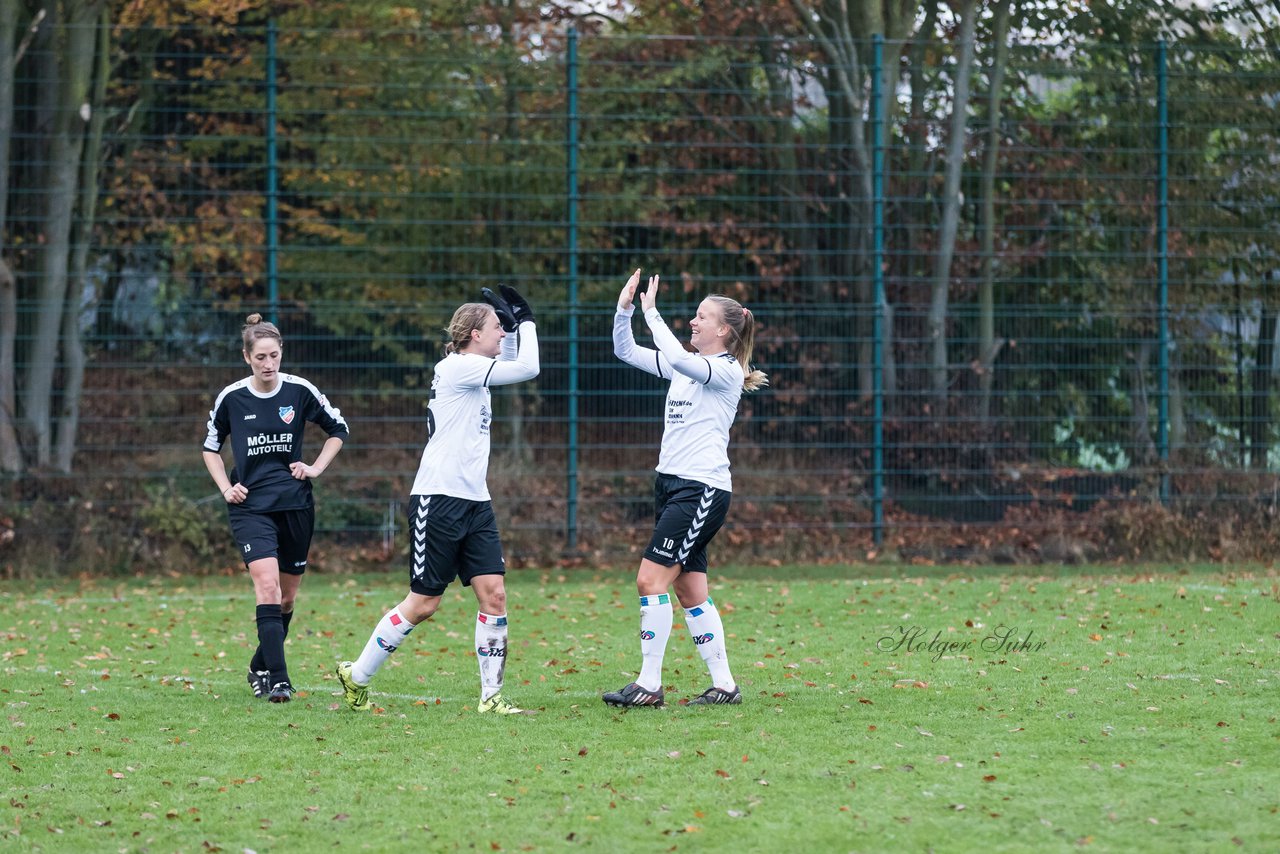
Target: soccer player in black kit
[268, 494]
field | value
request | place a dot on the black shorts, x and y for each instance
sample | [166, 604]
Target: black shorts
[451, 538]
[282, 534]
[687, 515]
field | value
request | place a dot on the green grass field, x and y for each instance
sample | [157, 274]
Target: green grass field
[954, 710]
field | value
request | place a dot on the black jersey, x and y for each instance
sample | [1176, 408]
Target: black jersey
[266, 436]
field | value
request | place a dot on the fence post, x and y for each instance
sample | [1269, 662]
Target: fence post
[571, 178]
[272, 190]
[877, 277]
[1162, 239]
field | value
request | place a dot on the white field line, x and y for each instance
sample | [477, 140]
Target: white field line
[225, 688]
[393, 596]
[1209, 588]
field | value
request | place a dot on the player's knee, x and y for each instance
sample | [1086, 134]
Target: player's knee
[494, 602]
[267, 593]
[654, 578]
[417, 608]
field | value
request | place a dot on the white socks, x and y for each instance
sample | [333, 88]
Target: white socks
[390, 632]
[491, 652]
[655, 630]
[707, 632]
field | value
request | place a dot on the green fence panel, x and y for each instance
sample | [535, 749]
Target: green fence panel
[377, 179]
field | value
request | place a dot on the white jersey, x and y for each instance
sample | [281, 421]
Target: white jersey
[701, 402]
[456, 459]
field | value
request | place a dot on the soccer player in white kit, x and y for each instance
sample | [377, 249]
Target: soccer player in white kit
[453, 532]
[693, 486]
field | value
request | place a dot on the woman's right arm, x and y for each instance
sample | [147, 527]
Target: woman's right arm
[624, 339]
[232, 494]
[217, 430]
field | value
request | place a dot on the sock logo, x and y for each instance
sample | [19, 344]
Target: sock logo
[388, 647]
[491, 652]
[701, 639]
[646, 635]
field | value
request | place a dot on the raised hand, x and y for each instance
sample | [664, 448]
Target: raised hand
[506, 314]
[519, 305]
[648, 293]
[629, 290]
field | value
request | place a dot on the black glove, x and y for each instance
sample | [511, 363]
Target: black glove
[506, 315]
[519, 305]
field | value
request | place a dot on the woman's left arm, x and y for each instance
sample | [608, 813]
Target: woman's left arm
[526, 364]
[692, 365]
[302, 471]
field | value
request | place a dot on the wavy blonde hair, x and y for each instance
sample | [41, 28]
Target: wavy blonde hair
[742, 326]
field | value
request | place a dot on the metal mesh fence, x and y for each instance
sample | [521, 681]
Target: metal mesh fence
[1090, 326]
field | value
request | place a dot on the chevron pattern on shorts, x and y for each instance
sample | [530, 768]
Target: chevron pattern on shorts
[695, 528]
[419, 534]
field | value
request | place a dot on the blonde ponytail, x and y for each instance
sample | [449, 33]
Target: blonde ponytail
[742, 324]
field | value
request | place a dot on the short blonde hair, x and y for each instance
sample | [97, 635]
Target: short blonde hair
[469, 316]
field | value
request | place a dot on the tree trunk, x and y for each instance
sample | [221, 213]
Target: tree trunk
[10, 451]
[936, 325]
[82, 237]
[916, 135]
[1143, 446]
[917, 126]
[72, 78]
[511, 129]
[777, 132]
[1260, 387]
[1177, 409]
[988, 349]
[840, 29]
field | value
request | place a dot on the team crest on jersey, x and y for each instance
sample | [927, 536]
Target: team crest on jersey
[286, 414]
